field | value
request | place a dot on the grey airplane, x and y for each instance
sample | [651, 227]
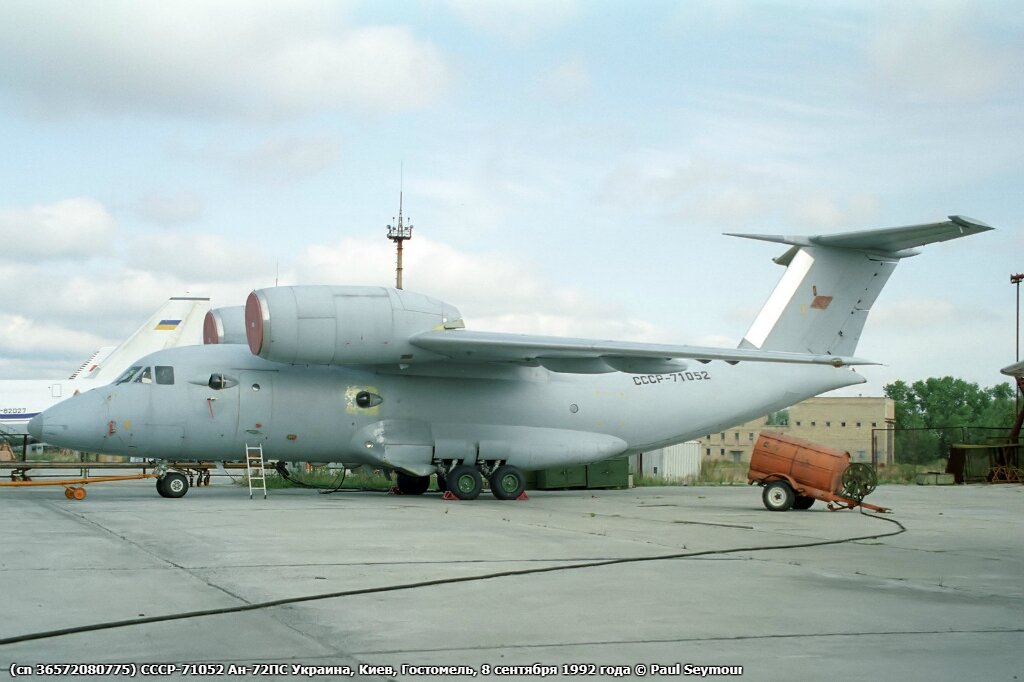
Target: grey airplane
[391, 379]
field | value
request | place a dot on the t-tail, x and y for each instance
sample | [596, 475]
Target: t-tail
[178, 322]
[831, 281]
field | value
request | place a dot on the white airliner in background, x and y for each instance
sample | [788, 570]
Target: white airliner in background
[178, 322]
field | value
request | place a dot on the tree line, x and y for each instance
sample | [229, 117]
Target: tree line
[946, 410]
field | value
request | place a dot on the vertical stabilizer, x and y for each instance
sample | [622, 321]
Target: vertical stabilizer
[178, 322]
[831, 281]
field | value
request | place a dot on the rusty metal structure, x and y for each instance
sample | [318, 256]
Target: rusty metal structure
[796, 472]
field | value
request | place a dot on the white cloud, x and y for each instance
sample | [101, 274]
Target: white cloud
[289, 158]
[191, 58]
[823, 212]
[170, 208]
[696, 189]
[200, 258]
[282, 160]
[68, 228]
[515, 21]
[21, 337]
[492, 292]
[933, 52]
[378, 69]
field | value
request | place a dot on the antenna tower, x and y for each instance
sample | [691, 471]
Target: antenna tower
[398, 233]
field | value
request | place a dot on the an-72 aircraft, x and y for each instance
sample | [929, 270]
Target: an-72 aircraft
[391, 379]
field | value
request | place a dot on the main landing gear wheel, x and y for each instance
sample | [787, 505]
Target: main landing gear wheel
[465, 482]
[778, 496]
[412, 485]
[507, 482]
[442, 484]
[803, 502]
[172, 484]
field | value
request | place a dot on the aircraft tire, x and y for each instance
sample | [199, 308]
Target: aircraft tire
[465, 482]
[412, 485]
[442, 483]
[507, 482]
[778, 496]
[172, 485]
[803, 502]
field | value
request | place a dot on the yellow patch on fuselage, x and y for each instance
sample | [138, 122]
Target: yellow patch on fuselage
[350, 401]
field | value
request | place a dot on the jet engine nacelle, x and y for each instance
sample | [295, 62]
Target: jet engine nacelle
[343, 325]
[224, 325]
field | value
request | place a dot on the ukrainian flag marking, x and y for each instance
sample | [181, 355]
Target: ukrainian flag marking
[167, 325]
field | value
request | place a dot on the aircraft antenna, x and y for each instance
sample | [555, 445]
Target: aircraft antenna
[399, 232]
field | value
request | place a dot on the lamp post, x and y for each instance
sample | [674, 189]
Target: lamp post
[1016, 280]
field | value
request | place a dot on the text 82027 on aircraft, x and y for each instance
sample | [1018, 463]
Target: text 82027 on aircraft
[391, 379]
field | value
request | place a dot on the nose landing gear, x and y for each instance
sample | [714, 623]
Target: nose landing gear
[172, 484]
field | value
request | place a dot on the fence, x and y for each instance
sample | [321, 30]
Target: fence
[913, 451]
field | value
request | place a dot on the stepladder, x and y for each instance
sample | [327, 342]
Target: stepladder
[254, 470]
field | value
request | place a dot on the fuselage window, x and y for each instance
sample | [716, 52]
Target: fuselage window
[164, 375]
[127, 375]
[145, 376]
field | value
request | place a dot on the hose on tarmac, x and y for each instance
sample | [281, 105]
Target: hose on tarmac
[444, 581]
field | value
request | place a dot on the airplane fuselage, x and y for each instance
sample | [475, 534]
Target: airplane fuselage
[406, 419]
[22, 399]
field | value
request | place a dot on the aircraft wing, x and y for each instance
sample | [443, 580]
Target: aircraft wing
[588, 356]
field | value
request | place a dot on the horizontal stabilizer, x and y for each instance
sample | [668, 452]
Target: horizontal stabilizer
[898, 242]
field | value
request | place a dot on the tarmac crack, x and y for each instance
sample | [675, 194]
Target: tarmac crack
[146, 550]
[696, 640]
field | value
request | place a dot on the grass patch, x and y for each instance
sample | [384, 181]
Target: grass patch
[903, 474]
[712, 472]
[716, 472]
[657, 481]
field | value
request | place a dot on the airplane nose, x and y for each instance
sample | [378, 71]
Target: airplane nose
[35, 427]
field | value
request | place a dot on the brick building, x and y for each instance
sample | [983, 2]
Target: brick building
[844, 423]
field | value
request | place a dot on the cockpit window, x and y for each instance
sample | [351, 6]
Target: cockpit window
[219, 381]
[128, 375]
[145, 376]
[164, 375]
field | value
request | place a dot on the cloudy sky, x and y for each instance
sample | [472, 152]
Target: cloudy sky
[569, 167]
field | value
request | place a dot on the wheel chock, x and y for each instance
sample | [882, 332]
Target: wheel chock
[449, 495]
[523, 497]
[393, 490]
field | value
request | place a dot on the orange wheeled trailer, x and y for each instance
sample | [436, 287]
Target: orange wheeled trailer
[73, 487]
[796, 472]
